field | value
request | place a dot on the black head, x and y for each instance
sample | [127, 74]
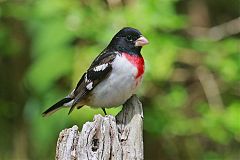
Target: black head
[128, 40]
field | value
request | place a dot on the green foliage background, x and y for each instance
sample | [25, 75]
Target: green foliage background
[191, 89]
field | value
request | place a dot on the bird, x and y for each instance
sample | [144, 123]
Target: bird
[112, 78]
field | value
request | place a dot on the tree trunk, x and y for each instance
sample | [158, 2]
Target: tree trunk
[115, 138]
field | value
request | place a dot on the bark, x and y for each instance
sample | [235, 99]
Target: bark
[109, 137]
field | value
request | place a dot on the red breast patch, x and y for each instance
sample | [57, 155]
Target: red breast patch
[137, 61]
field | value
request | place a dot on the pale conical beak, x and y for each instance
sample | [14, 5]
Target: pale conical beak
[141, 41]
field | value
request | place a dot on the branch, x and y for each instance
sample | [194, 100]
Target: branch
[218, 32]
[210, 88]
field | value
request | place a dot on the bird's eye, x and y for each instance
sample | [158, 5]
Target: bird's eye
[129, 38]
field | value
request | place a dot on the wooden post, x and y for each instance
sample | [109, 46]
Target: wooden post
[115, 138]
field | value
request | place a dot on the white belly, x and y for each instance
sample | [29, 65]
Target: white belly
[118, 87]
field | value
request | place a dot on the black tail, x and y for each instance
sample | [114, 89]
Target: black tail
[56, 106]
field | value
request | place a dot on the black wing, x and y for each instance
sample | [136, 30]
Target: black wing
[98, 71]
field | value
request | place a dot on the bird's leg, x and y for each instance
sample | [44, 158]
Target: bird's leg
[104, 111]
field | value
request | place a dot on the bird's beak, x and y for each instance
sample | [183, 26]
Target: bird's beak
[141, 41]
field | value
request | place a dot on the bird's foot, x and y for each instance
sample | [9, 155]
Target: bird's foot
[104, 111]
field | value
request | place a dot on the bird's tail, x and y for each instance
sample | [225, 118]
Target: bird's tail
[56, 106]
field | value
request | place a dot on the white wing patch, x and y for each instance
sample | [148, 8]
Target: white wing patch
[100, 67]
[89, 86]
[86, 80]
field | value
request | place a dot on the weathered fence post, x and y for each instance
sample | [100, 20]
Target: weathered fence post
[115, 138]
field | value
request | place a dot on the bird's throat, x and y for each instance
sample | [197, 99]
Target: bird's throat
[137, 61]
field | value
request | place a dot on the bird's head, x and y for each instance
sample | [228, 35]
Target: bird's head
[128, 40]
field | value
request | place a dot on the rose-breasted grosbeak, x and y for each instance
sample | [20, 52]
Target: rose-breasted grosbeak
[113, 76]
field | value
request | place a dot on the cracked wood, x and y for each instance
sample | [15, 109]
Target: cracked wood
[109, 137]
